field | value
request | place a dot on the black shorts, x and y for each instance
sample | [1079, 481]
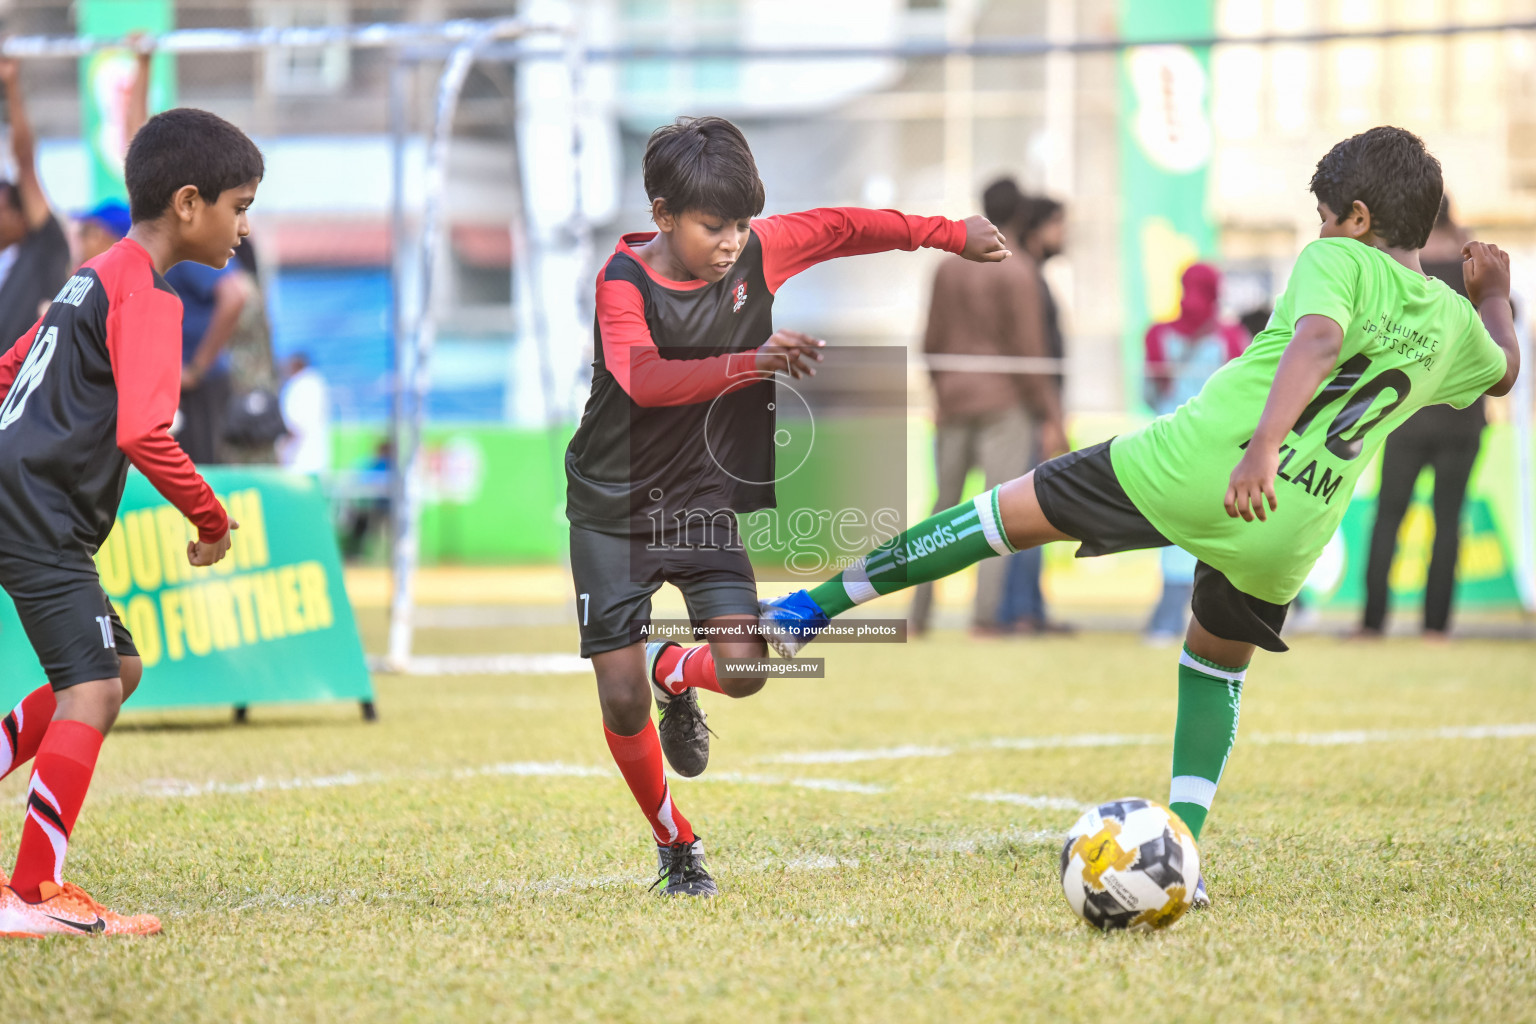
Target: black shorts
[616, 575]
[68, 619]
[1081, 496]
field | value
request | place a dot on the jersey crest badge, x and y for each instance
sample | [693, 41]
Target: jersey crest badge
[739, 292]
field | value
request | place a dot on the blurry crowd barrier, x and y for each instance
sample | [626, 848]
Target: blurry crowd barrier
[271, 623]
[495, 495]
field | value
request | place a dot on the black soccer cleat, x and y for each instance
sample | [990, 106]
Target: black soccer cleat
[680, 868]
[680, 720]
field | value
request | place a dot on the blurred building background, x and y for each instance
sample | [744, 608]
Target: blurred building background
[923, 134]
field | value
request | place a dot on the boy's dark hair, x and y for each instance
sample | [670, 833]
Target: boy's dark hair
[1389, 170]
[1000, 202]
[1036, 211]
[703, 164]
[186, 146]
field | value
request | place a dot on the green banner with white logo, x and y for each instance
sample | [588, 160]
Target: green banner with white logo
[1165, 151]
[107, 78]
[271, 623]
[1484, 569]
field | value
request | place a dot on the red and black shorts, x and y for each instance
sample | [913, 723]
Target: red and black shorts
[615, 576]
[1081, 496]
[68, 619]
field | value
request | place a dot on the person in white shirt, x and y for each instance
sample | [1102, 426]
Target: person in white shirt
[306, 402]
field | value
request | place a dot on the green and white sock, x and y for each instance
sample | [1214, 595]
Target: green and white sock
[940, 545]
[1209, 698]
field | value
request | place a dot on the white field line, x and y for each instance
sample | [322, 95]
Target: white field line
[1344, 738]
[1353, 737]
[487, 665]
[825, 785]
[960, 842]
[855, 756]
[184, 789]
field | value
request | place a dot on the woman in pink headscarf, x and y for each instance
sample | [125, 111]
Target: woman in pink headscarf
[1185, 351]
[1181, 354]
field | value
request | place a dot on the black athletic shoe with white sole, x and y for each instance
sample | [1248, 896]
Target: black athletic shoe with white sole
[680, 720]
[680, 869]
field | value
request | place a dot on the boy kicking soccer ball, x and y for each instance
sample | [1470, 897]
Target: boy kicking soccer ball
[678, 437]
[92, 387]
[1253, 474]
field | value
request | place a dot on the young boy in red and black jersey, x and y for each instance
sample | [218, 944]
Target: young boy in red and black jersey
[677, 439]
[91, 388]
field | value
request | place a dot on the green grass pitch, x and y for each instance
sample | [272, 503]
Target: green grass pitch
[473, 855]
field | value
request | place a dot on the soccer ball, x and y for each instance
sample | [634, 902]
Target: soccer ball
[1130, 864]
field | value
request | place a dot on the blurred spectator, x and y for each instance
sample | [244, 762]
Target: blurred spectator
[368, 511]
[1255, 320]
[211, 304]
[1181, 355]
[34, 251]
[986, 418]
[1043, 227]
[254, 422]
[1441, 438]
[101, 227]
[307, 412]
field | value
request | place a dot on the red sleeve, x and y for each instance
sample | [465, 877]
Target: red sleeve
[630, 354]
[144, 344]
[10, 363]
[796, 241]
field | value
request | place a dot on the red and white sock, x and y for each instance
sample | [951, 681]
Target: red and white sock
[61, 777]
[678, 668]
[639, 761]
[23, 729]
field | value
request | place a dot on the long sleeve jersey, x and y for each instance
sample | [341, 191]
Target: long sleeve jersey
[92, 387]
[679, 421]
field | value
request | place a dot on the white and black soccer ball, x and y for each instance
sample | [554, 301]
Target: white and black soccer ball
[1130, 864]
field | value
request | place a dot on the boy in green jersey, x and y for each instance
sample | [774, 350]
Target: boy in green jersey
[1253, 474]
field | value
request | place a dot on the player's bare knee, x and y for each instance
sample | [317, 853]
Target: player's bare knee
[96, 703]
[739, 650]
[625, 713]
[1202, 643]
[626, 701]
[1023, 520]
[622, 689]
[742, 686]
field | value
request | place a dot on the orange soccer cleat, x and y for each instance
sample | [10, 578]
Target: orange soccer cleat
[66, 910]
[116, 924]
[16, 917]
[55, 914]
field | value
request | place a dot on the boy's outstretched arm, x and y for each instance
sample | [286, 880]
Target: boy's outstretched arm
[793, 242]
[144, 345]
[1486, 272]
[1307, 361]
[29, 190]
[653, 381]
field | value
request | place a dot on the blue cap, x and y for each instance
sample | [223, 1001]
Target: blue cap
[111, 214]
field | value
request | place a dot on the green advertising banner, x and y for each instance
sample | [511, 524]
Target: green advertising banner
[270, 623]
[1484, 570]
[493, 493]
[107, 78]
[1165, 150]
